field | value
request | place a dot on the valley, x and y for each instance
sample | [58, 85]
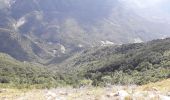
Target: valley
[138, 63]
[84, 50]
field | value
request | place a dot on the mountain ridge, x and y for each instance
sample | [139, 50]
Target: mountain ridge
[72, 26]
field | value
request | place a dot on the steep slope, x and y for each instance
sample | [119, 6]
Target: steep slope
[51, 31]
[20, 47]
[11, 46]
[127, 64]
[74, 25]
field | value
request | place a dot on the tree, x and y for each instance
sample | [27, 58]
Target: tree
[144, 66]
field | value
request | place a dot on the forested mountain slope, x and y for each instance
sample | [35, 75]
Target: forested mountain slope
[126, 64]
[139, 63]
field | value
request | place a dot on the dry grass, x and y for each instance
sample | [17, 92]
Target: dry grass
[16, 94]
[163, 86]
[92, 93]
[10, 94]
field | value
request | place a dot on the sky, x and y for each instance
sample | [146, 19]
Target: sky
[4, 3]
[166, 6]
[163, 5]
[145, 3]
[139, 4]
[152, 9]
[156, 6]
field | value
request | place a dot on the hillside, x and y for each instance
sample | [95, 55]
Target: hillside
[139, 63]
[18, 74]
[58, 29]
[25, 47]
[84, 50]
[81, 41]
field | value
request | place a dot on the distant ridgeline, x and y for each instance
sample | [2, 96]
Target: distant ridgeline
[56, 29]
[139, 63]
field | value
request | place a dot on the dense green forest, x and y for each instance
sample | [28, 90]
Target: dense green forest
[24, 75]
[138, 63]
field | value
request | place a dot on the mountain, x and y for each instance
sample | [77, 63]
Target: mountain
[138, 63]
[60, 28]
[81, 40]
[21, 47]
[69, 22]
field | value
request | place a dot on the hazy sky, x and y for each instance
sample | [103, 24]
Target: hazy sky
[156, 5]
[4, 3]
[145, 3]
[166, 6]
[156, 10]
[150, 4]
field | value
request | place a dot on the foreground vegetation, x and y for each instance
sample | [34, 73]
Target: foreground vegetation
[24, 75]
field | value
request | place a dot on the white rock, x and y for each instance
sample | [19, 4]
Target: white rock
[54, 52]
[105, 43]
[151, 95]
[164, 97]
[110, 94]
[63, 93]
[51, 94]
[168, 94]
[164, 36]
[20, 22]
[80, 45]
[49, 98]
[63, 49]
[122, 94]
[138, 40]
[138, 94]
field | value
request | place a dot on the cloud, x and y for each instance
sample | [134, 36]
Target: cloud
[146, 3]
[151, 9]
[4, 3]
[142, 4]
